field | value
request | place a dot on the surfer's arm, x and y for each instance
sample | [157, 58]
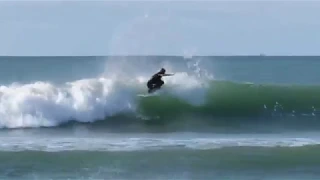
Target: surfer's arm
[167, 74]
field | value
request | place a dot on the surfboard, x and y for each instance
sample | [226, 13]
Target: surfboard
[146, 95]
[153, 92]
[149, 94]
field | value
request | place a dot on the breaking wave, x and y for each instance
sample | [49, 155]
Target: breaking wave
[45, 104]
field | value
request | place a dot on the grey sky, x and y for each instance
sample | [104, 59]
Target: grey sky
[159, 28]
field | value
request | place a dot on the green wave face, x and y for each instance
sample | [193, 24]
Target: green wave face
[229, 99]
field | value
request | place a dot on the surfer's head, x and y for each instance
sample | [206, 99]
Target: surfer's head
[162, 70]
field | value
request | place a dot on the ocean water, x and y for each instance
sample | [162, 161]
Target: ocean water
[237, 118]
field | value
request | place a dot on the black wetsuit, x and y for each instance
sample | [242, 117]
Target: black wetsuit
[155, 82]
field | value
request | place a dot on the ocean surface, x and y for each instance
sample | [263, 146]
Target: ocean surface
[230, 118]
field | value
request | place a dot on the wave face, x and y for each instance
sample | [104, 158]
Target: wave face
[225, 98]
[191, 96]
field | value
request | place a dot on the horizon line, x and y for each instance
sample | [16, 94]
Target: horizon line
[155, 55]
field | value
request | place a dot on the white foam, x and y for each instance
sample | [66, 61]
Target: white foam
[44, 104]
[142, 143]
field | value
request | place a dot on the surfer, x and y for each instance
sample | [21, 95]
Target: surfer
[156, 82]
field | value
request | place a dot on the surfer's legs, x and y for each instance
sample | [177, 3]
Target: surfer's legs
[149, 84]
[159, 84]
[152, 86]
[150, 90]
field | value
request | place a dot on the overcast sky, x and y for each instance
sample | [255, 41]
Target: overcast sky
[159, 28]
